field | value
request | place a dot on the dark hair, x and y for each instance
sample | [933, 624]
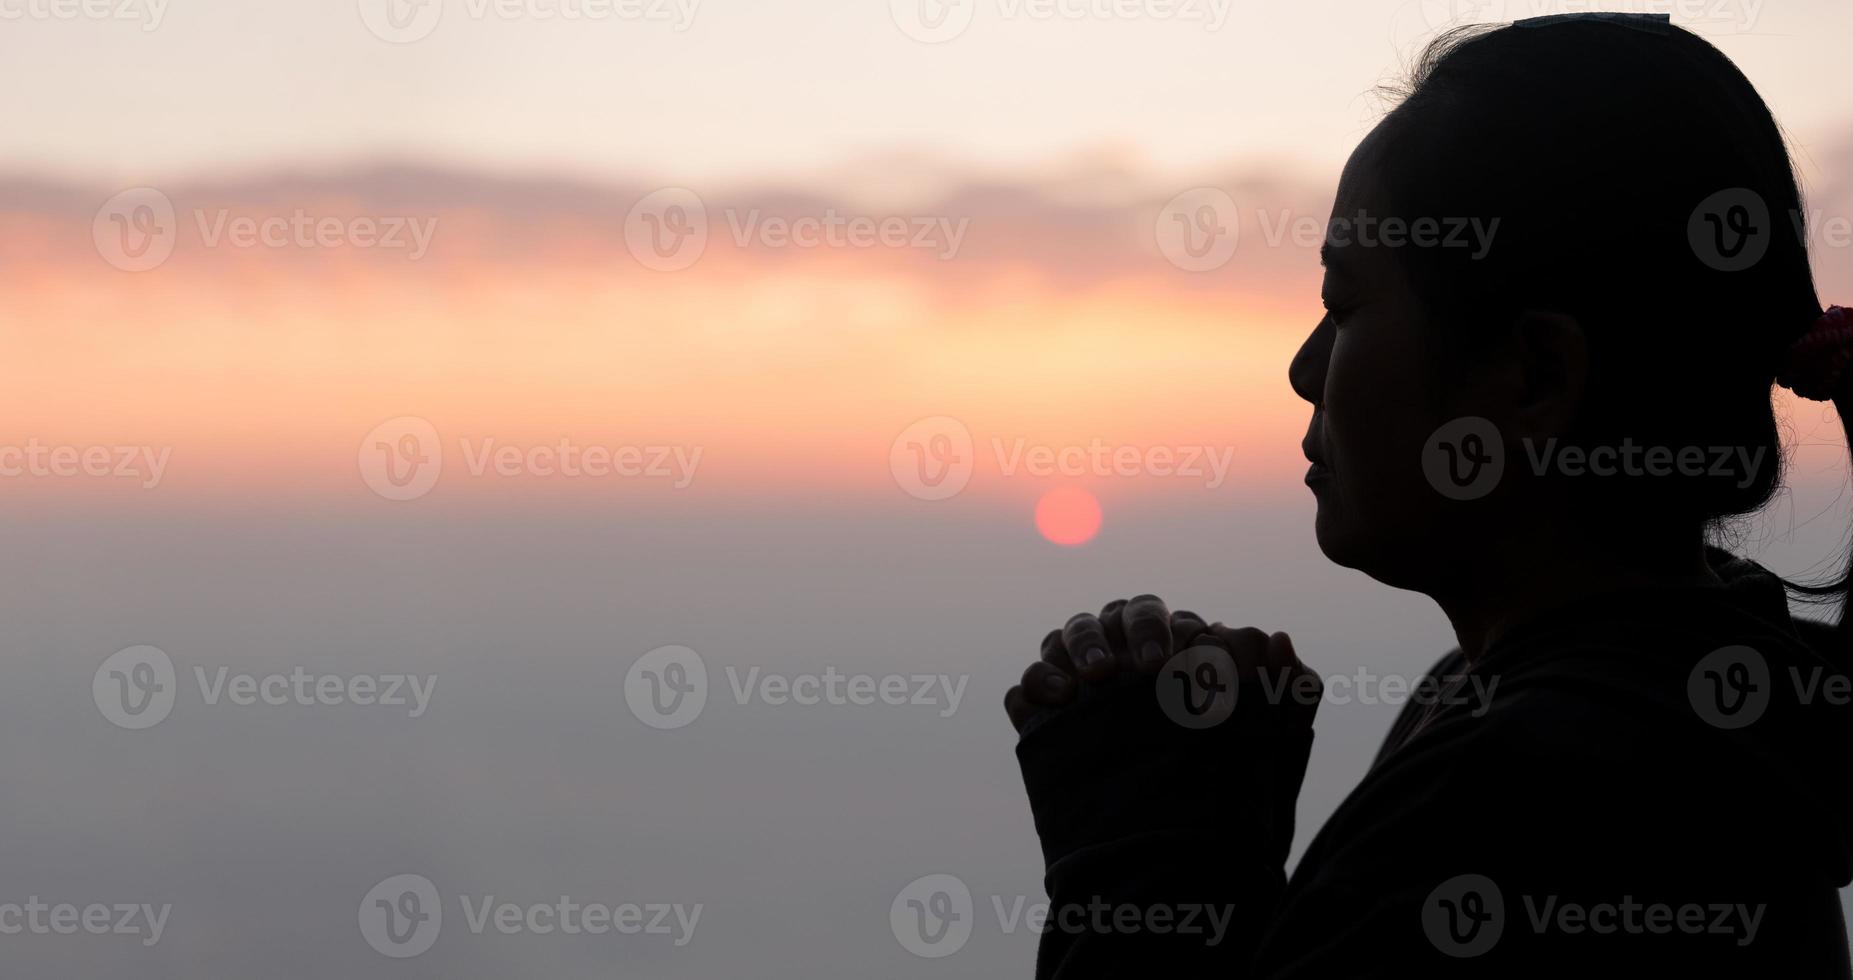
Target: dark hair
[1601, 145]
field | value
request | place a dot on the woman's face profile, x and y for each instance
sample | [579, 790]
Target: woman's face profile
[1371, 370]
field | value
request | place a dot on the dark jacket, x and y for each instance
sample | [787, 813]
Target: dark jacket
[1658, 781]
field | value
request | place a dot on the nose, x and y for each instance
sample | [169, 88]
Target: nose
[1307, 372]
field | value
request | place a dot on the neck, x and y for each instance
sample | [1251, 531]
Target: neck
[1552, 567]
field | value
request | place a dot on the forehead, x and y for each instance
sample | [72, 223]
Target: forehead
[1359, 193]
[1360, 184]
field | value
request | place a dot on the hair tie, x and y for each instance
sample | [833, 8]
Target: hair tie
[1819, 359]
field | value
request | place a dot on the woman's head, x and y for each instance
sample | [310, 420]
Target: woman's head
[1612, 273]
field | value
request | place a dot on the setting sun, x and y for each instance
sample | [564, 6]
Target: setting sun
[1068, 516]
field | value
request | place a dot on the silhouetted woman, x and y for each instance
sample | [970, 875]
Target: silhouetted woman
[1636, 759]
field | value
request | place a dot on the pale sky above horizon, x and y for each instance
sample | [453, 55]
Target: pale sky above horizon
[738, 91]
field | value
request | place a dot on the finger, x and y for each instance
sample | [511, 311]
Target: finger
[1116, 631]
[1148, 631]
[1247, 646]
[1278, 653]
[1246, 643]
[1086, 641]
[1185, 628]
[1018, 708]
[1053, 652]
[1304, 688]
[1047, 685]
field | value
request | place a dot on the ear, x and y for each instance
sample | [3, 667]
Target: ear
[1551, 356]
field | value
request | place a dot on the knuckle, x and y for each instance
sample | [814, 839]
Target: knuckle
[1149, 605]
[1146, 618]
[1249, 636]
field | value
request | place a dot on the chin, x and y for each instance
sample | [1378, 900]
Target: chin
[1394, 560]
[1340, 544]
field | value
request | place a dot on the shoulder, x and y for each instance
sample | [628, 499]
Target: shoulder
[1451, 664]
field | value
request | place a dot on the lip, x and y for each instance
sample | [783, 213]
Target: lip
[1310, 446]
[1317, 473]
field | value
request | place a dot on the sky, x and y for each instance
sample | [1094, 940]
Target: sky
[477, 342]
[738, 90]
